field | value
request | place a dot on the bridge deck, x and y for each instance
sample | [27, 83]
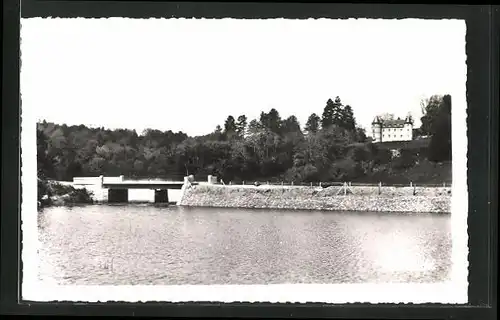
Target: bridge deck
[144, 185]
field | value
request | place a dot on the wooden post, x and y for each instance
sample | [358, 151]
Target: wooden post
[320, 184]
[411, 185]
[444, 184]
[345, 188]
[292, 183]
[282, 183]
[311, 184]
[379, 187]
[414, 189]
[243, 182]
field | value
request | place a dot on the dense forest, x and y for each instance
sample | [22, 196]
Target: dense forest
[329, 147]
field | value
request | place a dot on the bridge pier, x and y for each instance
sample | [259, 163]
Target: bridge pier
[161, 196]
[117, 195]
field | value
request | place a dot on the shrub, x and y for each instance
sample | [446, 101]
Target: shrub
[80, 196]
[406, 160]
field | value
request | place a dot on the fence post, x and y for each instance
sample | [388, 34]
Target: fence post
[292, 183]
[311, 184]
[414, 189]
[345, 188]
[379, 187]
[411, 184]
[444, 184]
[243, 182]
[320, 184]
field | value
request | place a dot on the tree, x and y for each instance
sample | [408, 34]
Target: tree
[328, 114]
[254, 127]
[430, 110]
[271, 121]
[338, 110]
[312, 124]
[230, 127]
[45, 167]
[74, 169]
[440, 145]
[360, 135]
[241, 126]
[290, 125]
[332, 113]
[405, 160]
[347, 120]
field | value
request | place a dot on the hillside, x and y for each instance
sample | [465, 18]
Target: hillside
[413, 144]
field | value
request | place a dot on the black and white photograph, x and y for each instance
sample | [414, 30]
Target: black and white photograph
[257, 160]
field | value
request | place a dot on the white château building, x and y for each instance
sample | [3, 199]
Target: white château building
[392, 130]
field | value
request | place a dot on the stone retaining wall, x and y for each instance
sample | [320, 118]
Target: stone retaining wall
[391, 199]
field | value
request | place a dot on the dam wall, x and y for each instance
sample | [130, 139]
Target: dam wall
[355, 198]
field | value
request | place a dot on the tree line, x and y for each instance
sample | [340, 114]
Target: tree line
[330, 147]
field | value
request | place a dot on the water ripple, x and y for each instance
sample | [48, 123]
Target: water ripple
[132, 245]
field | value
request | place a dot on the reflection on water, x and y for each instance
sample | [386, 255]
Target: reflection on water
[144, 244]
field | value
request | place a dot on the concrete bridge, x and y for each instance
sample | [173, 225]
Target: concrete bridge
[118, 189]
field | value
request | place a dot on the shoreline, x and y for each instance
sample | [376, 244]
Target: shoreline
[257, 209]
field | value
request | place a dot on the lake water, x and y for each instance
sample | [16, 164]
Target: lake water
[146, 244]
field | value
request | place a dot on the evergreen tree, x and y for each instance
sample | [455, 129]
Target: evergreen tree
[272, 121]
[254, 127]
[230, 127]
[430, 110]
[312, 124]
[360, 135]
[440, 145]
[328, 114]
[347, 119]
[291, 125]
[241, 126]
[332, 114]
[338, 112]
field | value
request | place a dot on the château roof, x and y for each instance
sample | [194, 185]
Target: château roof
[395, 123]
[377, 120]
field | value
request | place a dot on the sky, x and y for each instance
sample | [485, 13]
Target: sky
[190, 74]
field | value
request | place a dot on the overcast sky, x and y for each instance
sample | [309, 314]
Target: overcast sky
[189, 75]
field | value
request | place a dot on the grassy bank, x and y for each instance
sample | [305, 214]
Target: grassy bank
[390, 199]
[55, 194]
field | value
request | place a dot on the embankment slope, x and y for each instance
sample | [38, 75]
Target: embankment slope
[390, 199]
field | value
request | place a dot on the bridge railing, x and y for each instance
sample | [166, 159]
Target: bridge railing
[87, 180]
[216, 180]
